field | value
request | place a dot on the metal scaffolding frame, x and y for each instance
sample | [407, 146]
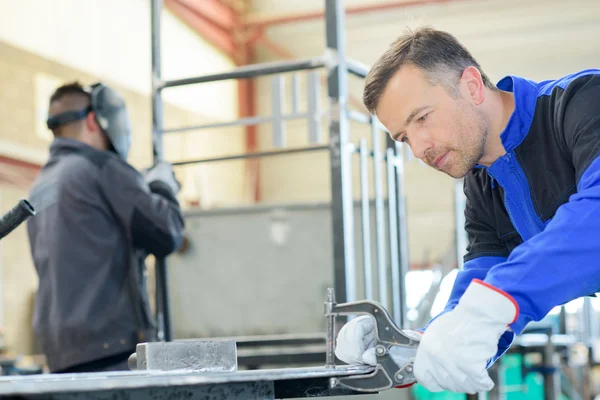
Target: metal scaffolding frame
[389, 233]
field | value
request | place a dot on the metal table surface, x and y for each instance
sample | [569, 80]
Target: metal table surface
[248, 384]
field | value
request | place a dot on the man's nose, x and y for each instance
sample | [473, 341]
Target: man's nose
[419, 146]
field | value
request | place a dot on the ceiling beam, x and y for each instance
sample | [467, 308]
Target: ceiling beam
[263, 22]
[213, 11]
[219, 37]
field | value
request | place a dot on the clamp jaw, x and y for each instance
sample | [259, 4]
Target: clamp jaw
[387, 373]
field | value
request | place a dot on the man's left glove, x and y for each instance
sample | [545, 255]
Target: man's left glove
[162, 172]
[455, 348]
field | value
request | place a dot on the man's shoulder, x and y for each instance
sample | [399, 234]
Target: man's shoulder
[568, 82]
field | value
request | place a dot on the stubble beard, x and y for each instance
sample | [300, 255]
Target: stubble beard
[472, 141]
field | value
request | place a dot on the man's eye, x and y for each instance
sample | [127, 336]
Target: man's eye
[423, 118]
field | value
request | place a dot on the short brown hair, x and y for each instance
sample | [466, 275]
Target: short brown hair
[439, 54]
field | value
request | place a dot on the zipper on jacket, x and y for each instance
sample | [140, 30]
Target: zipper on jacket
[516, 171]
[517, 197]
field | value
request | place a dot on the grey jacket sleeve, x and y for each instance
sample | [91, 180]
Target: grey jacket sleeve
[151, 215]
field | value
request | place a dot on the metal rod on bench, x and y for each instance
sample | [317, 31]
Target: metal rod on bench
[251, 71]
[254, 155]
[379, 215]
[393, 232]
[366, 219]
[402, 232]
[163, 319]
[313, 100]
[277, 99]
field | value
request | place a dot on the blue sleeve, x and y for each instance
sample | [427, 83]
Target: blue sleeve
[561, 263]
[476, 268]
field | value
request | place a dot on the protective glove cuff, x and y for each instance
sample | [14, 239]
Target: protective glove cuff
[490, 303]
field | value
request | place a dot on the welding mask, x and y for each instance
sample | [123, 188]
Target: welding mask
[111, 115]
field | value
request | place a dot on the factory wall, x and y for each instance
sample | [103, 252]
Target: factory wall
[45, 44]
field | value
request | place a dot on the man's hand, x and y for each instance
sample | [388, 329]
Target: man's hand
[163, 172]
[456, 347]
[356, 343]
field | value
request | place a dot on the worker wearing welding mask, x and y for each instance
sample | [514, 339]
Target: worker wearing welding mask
[529, 153]
[97, 220]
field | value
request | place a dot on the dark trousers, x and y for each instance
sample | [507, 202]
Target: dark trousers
[118, 362]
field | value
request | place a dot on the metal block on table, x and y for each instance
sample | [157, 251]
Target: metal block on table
[196, 355]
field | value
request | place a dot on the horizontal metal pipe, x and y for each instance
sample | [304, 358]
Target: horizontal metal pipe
[254, 155]
[250, 71]
[357, 116]
[356, 68]
[238, 122]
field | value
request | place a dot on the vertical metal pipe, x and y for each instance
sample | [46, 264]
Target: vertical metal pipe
[393, 232]
[366, 219]
[277, 99]
[330, 340]
[402, 232]
[459, 218]
[295, 93]
[313, 99]
[379, 216]
[341, 172]
[163, 317]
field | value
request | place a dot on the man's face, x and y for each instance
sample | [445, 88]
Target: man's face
[447, 133]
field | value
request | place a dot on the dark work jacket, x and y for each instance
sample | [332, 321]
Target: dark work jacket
[533, 216]
[96, 222]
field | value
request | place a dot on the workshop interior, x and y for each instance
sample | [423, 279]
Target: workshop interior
[300, 210]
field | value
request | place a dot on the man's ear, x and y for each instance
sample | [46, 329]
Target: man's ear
[474, 83]
[91, 123]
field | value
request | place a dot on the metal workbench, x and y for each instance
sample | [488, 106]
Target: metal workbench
[256, 384]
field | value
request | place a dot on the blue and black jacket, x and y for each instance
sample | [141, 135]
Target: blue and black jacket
[533, 216]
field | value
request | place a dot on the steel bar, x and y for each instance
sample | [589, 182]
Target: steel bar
[356, 68]
[163, 320]
[196, 355]
[295, 94]
[379, 216]
[251, 71]
[256, 120]
[357, 116]
[340, 157]
[277, 111]
[330, 342]
[313, 100]
[366, 219]
[393, 233]
[255, 155]
[402, 232]
[459, 216]
[238, 122]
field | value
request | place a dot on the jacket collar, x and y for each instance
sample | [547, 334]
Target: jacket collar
[525, 94]
[61, 146]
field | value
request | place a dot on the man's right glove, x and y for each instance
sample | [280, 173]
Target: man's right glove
[162, 172]
[356, 343]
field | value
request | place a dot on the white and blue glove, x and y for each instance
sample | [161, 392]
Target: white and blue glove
[454, 350]
[162, 172]
[356, 343]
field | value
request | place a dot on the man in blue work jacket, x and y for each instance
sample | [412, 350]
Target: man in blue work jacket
[528, 152]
